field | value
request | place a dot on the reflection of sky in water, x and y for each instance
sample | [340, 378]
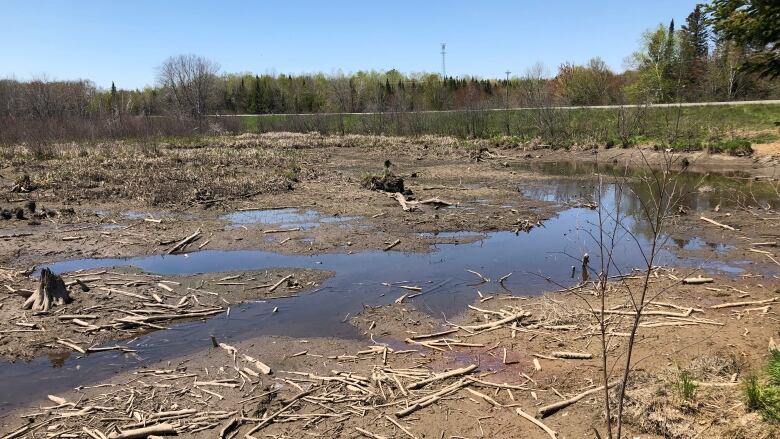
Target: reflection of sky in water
[288, 218]
[716, 189]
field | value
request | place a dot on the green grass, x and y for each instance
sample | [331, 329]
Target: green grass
[731, 146]
[587, 126]
[686, 386]
[763, 396]
[773, 367]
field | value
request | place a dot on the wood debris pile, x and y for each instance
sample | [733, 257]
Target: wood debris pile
[83, 309]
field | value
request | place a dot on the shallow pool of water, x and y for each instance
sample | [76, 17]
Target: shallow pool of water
[287, 218]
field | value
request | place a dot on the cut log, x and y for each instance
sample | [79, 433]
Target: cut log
[697, 280]
[572, 355]
[51, 291]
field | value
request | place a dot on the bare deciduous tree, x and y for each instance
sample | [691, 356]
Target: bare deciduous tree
[189, 81]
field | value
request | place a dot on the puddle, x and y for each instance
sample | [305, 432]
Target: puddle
[450, 234]
[699, 191]
[697, 243]
[288, 218]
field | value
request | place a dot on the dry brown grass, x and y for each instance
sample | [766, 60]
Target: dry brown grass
[160, 174]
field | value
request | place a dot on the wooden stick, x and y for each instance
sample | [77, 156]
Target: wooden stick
[572, 355]
[71, 345]
[396, 242]
[367, 433]
[497, 323]
[725, 226]
[398, 424]
[435, 334]
[442, 376]
[184, 242]
[554, 407]
[282, 280]
[139, 433]
[294, 229]
[750, 302]
[537, 422]
[430, 399]
[697, 280]
[476, 273]
[270, 418]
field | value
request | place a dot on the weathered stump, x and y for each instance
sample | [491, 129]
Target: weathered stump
[51, 291]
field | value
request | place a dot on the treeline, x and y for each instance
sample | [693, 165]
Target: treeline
[709, 58]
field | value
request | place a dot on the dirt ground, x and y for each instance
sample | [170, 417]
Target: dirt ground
[104, 201]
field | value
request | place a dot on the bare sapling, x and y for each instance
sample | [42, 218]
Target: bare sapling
[660, 198]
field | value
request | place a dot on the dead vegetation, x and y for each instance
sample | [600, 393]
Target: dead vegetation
[91, 307]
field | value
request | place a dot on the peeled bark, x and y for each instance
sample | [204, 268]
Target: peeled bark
[51, 291]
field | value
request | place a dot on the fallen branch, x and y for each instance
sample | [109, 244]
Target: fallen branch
[554, 407]
[572, 355]
[537, 422]
[184, 242]
[138, 433]
[442, 376]
[725, 226]
[430, 399]
[281, 281]
[747, 303]
[367, 433]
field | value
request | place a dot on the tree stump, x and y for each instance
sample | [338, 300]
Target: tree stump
[51, 291]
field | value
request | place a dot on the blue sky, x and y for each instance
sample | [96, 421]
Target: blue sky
[125, 41]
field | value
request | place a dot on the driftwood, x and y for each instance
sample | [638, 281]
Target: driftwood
[747, 303]
[537, 422]
[497, 323]
[281, 281]
[367, 433]
[698, 280]
[393, 244]
[184, 242]
[138, 433]
[554, 407]
[51, 291]
[411, 205]
[430, 399]
[442, 376]
[725, 226]
[572, 355]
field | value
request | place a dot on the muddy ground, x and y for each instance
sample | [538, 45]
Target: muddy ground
[107, 201]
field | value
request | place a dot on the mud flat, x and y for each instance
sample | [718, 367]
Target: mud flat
[441, 320]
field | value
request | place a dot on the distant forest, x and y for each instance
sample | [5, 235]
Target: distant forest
[702, 60]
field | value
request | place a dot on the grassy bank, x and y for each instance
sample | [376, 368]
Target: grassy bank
[683, 126]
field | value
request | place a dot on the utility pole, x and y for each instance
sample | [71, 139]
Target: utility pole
[443, 65]
[506, 103]
[506, 87]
